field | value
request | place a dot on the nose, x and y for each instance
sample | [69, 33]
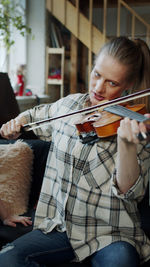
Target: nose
[100, 85]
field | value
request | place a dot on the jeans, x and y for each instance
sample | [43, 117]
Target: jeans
[37, 249]
[117, 254]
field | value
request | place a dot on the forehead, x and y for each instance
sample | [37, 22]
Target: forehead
[110, 67]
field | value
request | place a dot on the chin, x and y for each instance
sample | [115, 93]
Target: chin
[93, 100]
[94, 103]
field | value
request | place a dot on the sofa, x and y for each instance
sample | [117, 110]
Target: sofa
[40, 150]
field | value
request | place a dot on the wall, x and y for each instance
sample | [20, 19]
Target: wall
[17, 54]
[28, 51]
[36, 47]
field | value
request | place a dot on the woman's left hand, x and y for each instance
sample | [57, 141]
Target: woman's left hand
[13, 219]
[130, 129]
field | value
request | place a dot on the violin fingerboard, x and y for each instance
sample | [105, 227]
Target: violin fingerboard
[124, 112]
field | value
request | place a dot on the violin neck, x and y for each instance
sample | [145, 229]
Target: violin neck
[124, 112]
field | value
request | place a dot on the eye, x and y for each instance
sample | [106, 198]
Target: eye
[112, 83]
[96, 74]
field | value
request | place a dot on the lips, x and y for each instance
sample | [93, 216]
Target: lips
[98, 97]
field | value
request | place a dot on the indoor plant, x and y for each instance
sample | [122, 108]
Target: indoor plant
[12, 15]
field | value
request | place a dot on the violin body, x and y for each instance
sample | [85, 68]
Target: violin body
[107, 127]
[103, 123]
[109, 123]
[86, 123]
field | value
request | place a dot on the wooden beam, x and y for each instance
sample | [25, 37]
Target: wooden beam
[118, 18]
[133, 27]
[90, 39]
[74, 64]
[104, 20]
[83, 69]
[113, 3]
[77, 7]
[148, 37]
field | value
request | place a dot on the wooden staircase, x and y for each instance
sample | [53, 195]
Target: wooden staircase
[81, 28]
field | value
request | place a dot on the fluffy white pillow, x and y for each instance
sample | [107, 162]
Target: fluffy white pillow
[16, 161]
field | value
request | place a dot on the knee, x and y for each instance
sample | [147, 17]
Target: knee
[120, 254]
[7, 256]
[126, 251]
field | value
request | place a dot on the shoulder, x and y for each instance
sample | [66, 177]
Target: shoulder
[74, 97]
[72, 101]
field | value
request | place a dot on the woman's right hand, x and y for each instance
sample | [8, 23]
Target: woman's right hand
[11, 129]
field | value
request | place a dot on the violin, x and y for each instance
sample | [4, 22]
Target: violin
[101, 123]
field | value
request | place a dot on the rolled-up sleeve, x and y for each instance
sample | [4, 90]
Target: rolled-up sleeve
[138, 189]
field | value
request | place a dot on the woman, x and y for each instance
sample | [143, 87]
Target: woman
[89, 196]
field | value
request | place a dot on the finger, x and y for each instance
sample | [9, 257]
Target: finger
[142, 127]
[147, 115]
[12, 224]
[9, 223]
[3, 130]
[126, 129]
[25, 218]
[135, 131]
[26, 222]
[14, 127]
[18, 125]
[142, 132]
[10, 130]
[6, 129]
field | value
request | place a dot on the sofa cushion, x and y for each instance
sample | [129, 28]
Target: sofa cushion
[40, 150]
[16, 161]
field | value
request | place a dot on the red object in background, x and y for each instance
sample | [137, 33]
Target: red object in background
[20, 82]
[28, 92]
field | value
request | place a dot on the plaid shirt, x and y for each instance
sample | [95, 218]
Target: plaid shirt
[79, 194]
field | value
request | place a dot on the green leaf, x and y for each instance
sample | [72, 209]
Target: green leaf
[11, 15]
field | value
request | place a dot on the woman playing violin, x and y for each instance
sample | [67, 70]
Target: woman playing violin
[88, 201]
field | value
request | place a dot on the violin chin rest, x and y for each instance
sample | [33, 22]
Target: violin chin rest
[89, 138]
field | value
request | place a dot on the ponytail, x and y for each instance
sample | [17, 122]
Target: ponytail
[145, 72]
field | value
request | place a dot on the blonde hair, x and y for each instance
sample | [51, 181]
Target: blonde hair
[135, 54]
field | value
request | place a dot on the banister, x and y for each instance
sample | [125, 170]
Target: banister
[134, 13]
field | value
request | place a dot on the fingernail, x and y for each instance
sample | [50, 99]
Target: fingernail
[141, 136]
[144, 135]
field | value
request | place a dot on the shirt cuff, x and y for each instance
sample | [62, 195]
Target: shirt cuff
[134, 192]
[27, 115]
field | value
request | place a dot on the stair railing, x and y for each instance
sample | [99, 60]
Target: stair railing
[135, 17]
